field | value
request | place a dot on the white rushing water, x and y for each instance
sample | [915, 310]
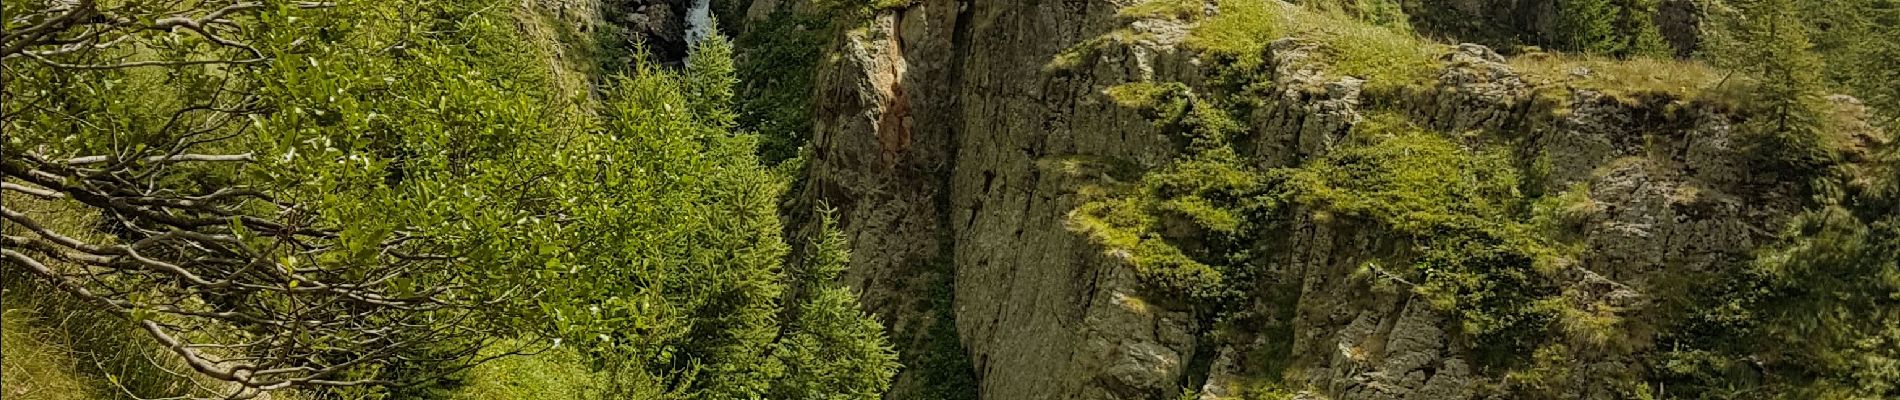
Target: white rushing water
[698, 23]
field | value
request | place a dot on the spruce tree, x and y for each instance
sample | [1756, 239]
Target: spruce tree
[1767, 42]
[830, 349]
[1619, 28]
[1589, 25]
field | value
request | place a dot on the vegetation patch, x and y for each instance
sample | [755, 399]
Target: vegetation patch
[777, 72]
[1180, 10]
[1413, 179]
[1685, 79]
[1212, 200]
[1475, 258]
[1087, 51]
[1242, 28]
[1385, 57]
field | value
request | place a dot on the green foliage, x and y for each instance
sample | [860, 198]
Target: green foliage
[1415, 179]
[669, 272]
[54, 346]
[1786, 130]
[1625, 78]
[830, 349]
[1189, 229]
[943, 366]
[1385, 13]
[1621, 28]
[557, 373]
[1162, 98]
[1589, 25]
[710, 80]
[1811, 318]
[1182, 10]
[1475, 257]
[1213, 197]
[1385, 57]
[1242, 28]
[1087, 51]
[641, 232]
[1483, 244]
[780, 65]
[1859, 39]
[39, 368]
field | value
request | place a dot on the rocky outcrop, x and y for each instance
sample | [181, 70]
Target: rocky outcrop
[937, 121]
[657, 25]
[959, 90]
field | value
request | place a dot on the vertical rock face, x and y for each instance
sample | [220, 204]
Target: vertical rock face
[940, 124]
[929, 135]
[658, 25]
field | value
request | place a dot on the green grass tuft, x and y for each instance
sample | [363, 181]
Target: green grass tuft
[1181, 10]
[1242, 28]
[1385, 57]
[555, 374]
[36, 365]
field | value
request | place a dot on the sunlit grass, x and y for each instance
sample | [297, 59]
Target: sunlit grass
[1635, 75]
[1351, 47]
[553, 374]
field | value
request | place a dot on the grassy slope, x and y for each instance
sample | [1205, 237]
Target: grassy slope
[36, 363]
[58, 347]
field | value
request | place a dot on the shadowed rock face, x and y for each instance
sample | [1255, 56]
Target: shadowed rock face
[659, 25]
[935, 121]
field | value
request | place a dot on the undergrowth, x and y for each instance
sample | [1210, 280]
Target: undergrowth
[1620, 77]
[59, 346]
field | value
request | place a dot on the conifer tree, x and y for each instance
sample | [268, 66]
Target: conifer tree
[830, 349]
[1766, 41]
[1621, 28]
[1589, 25]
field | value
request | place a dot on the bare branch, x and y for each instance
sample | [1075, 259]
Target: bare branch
[167, 159]
[32, 191]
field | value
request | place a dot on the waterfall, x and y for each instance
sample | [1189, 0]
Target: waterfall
[698, 23]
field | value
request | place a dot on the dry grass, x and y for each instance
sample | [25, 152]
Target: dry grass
[58, 346]
[1642, 75]
[34, 365]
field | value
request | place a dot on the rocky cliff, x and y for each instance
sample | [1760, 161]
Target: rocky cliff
[963, 141]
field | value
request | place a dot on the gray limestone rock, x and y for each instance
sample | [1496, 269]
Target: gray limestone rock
[933, 120]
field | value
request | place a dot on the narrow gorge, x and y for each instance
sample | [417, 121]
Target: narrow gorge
[950, 199]
[1076, 171]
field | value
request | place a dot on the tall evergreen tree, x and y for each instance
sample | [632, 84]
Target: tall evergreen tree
[1621, 28]
[368, 196]
[1767, 42]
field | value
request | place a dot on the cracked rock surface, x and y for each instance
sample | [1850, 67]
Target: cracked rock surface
[935, 123]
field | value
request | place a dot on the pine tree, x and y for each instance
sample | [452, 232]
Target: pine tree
[831, 349]
[1644, 38]
[1767, 41]
[1860, 39]
[1619, 28]
[711, 80]
[1589, 25]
